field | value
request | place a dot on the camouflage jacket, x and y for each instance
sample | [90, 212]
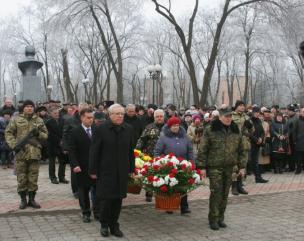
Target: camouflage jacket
[240, 119]
[222, 148]
[148, 139]
[18, 128]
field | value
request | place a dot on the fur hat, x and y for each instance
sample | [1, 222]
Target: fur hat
[238, 103]
[28, 102]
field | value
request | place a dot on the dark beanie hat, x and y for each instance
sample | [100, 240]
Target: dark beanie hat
[238, 103]
[28, 102]
[152, 106]
[256, 109]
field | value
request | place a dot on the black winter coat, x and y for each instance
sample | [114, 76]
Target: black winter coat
[112, 159]
[279, 129]
[79, 151]
[136, 124]
[298, 134]
[69, 125]
[55, 136]
[258, 132]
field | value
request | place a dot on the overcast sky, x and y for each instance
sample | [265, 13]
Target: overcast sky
[11, 7]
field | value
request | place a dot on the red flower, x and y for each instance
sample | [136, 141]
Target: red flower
[183, 166]
[146, 168]
[171, 175]
[171, 155]
[143, 172]
[174, 171]
[191, 181]
[150, 178]
[164, 188]
[199, 171]
[170, 164]
[156, 167]
[136, 154]
[151, 161]
[180, 159]
[192, 166]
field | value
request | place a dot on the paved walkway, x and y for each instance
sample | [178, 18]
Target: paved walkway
[58, 197]
[267, 217]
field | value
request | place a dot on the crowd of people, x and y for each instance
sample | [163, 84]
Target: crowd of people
[98, 142]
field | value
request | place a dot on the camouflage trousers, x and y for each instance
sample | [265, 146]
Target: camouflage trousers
[220, 182]
[27, 172]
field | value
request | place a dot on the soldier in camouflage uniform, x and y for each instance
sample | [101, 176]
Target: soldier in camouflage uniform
[221, 150]
[246, 128]
[148, 139]
[27, 159]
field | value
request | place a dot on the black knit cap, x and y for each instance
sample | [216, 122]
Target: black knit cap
[28, 102]
[238, 103]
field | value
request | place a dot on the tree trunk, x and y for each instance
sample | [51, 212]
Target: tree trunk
[66, 76]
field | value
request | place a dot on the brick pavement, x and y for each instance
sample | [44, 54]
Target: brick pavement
[264, 217]
[58, 197]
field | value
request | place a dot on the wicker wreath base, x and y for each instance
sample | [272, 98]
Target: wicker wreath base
[134, 189]
[167, 202]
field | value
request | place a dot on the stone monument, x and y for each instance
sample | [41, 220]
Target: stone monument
[31, 83]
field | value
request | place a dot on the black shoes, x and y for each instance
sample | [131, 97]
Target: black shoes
[169, 212]
[261, 180]
[240, 188]
[234, 189]
[222, 224]
[214, 226]
[86, 219]
[31, 202]
[185, 211]
[23, 202]
[64, 181]
[116, 232]
[148, 199]
[104, 231]
[54, 181]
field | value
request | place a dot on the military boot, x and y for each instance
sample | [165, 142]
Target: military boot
[240, 188]
[234, 189]
[32, 202]
[23, 202]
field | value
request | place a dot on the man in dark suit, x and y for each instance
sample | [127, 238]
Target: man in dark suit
[69, 124]
[79, 159]
[54, 125]
[111, 162]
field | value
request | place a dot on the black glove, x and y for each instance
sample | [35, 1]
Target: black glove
[35, 132]
[248, 124]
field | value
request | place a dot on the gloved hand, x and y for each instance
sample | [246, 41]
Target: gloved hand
[35, 131]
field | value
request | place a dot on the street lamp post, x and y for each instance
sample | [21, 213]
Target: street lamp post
[154, 71]
[49, 89]
[85, 83]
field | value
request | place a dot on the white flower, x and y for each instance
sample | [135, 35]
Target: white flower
[173, 182]
[187, 163]
[197, 178]
[159, 182]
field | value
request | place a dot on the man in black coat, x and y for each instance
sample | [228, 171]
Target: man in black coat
[256, 142]
[298, 141]
[69, 125]
[54, 124]
[79, 159]
[111, 162]
[132, 119]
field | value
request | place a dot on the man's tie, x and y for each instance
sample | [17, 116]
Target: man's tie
[88, 130]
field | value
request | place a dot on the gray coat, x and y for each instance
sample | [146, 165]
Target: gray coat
[178, 144]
